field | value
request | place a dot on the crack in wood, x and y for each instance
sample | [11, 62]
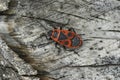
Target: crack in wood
[86, 66]
[73, 15]
[97, 17]
[61, 67]
[112, 30]
[104, 65]
[105, 38]
[62, 77]
[3, 13]
[47, 20]
[39, 73]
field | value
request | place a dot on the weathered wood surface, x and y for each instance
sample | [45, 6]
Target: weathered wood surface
[32, 56]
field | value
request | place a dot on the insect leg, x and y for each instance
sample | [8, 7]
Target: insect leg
[60, 28]
[67, 22]
[64, 48]
[71, 29]
[46, 36]
[59, 49]
[54, 27]
[75, 52]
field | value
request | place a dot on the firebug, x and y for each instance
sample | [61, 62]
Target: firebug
[67, 38]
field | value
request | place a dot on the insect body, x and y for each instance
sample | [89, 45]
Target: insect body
[67, 38]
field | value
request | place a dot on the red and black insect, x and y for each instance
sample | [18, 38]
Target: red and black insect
[67, 38]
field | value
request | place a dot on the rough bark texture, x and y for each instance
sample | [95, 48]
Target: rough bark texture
[26, 54]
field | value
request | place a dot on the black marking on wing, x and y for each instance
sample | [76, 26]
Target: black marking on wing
[55, 34]
[75, 41]
[69, 34]
[62, 36]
